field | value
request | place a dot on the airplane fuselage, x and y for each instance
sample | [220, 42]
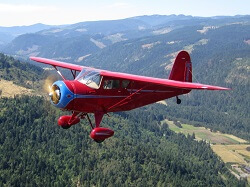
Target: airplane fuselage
[76, 96]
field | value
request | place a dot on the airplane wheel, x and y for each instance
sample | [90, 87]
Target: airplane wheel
[66, 127]
[99, 141]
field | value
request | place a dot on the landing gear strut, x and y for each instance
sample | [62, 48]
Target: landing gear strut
[99, 134]
[67, 121]
[178, 101]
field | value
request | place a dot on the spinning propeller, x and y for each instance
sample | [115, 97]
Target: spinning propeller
[55, 94]
[52, 90]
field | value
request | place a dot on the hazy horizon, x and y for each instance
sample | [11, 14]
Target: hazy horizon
[123, 18]
[28, 12]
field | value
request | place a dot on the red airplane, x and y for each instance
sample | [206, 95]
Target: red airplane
[100, 92]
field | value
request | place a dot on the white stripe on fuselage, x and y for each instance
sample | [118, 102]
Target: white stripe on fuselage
[149, 91]
[114, 96]
[97, 96]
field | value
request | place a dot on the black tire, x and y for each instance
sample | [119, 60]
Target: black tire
[66, 127]
[98, 141]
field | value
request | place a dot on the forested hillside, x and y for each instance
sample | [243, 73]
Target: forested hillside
[21, 73]
[36, 152]
[220, 56]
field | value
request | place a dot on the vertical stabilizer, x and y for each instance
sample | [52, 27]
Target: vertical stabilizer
[182, 68]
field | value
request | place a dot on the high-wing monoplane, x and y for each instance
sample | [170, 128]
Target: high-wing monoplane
[100, 92]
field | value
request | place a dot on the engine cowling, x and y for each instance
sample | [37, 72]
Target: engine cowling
[66, 121]
[99, 134]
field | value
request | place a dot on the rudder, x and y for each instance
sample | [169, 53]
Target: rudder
[182, 68]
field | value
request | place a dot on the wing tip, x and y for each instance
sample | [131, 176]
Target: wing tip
[33, 58]
[227, 88]
[219, 88]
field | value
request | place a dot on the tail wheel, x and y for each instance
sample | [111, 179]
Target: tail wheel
[178, 101]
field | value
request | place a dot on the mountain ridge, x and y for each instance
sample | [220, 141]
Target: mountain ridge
[214, 50]
[124, 29]
[7, 34]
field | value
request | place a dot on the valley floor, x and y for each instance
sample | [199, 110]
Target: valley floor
[233, 151]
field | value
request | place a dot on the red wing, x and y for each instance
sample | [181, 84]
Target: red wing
[57, 63]
[163, 82]
[151, 80]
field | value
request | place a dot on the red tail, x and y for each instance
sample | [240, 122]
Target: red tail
[182, 68]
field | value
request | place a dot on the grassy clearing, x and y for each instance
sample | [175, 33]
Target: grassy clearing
[236, 155]
[235, 138]
[9, 89]
[231, 153]
[202, 133]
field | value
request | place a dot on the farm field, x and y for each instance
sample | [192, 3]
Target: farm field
[201, 133]
[233, 153]
[232, 150]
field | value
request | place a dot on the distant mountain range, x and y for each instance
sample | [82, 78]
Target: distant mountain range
[7, 34]
[77, 41]
[147, 45]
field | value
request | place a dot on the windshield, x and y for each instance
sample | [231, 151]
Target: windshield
[91, 78]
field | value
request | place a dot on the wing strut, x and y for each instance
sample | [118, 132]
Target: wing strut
[73, 73]
[59, 73]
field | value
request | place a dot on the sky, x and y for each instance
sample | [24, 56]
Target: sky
[57, 12]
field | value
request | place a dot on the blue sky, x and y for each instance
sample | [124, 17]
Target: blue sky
[27, 12]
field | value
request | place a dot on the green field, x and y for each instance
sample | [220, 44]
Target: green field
[231, 149]
[201, 133]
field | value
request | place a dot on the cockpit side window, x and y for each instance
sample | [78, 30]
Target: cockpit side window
[111, 84]
[125, 83]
